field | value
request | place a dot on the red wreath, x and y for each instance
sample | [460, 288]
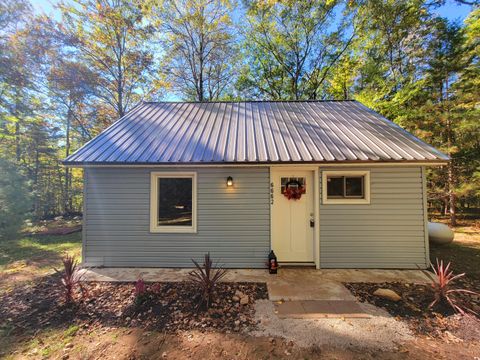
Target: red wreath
[294, 193]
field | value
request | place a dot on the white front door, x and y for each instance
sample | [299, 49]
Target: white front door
[292, 231]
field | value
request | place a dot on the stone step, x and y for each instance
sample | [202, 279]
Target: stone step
[319, 309]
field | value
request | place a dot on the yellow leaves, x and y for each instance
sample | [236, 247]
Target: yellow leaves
[162, 84]
[330, 3]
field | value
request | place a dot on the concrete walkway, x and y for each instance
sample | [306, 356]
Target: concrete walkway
[288, 284]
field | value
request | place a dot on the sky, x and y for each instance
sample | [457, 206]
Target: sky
[451, 10]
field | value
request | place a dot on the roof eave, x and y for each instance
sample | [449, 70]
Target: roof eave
[428, 162]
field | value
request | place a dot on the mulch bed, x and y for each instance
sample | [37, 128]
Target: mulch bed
[166, 307]
[413, 308]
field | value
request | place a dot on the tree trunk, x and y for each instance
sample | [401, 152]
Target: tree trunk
[450, 169]
[36, 204]
[451, 194]
[68, 181]
[18, 149]
[17, 141]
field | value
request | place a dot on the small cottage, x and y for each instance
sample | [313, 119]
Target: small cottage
[331, 184]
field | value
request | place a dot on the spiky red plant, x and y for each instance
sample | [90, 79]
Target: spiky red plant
[140, 287]
[205, 279]
[70, 278]
[140, 290]
[442, 287]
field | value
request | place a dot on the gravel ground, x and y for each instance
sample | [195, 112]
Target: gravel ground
[381, 332]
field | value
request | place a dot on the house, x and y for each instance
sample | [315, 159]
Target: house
[325, 183]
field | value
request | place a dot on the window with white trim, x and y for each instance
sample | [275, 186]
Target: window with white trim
[173, 202]
[346, 187]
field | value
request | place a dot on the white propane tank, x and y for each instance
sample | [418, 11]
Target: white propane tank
[439, 233]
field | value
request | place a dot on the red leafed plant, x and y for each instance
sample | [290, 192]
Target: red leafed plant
[70, 278]
[140, 291]
[442, 287]
[205, 278]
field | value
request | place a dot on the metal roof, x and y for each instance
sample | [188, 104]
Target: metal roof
[253, 132]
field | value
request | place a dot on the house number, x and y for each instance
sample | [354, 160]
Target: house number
[271, 193]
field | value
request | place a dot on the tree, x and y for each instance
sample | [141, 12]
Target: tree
[391, 48]
[444, 67]
[14, 199]
[200, 54]
[466, 114]
[15, 71]
[291, 47]
[341, 79]
[71, 85]
[111, 39]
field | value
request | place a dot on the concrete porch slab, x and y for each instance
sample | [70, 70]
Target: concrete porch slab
[288, 284]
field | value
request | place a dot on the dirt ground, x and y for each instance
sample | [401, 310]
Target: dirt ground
[138, 344]
[109, 342]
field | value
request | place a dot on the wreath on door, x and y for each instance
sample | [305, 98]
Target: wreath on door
[293, 190]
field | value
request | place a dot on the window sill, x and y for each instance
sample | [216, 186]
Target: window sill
[346, 202]
[173, 230]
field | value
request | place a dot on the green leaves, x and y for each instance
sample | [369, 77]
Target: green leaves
[291, 47]
[199, 44]
[112, 40]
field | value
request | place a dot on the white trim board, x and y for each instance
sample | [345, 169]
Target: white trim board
[354, 201]
[154, 228]
[316, 207]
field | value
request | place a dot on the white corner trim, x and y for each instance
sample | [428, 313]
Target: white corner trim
[154, 228]
[316, 205]
[353, 201]
[425, 217]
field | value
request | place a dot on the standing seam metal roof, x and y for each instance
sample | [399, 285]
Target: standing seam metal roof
[253, 132]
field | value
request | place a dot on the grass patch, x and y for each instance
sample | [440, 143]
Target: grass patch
[71, 331]
[464, 258]
[463, 252]
[45, 251]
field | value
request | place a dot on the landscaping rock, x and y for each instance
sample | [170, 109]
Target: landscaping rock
[244, 300]
[239, 294]
[168, 306]
[387, 294]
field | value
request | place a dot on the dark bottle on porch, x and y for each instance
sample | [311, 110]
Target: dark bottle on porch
[272, 263]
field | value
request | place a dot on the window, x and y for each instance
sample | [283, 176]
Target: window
[173, 202]
[346, 187]
[298, 182]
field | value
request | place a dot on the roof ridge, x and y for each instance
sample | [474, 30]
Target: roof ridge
[243, 101]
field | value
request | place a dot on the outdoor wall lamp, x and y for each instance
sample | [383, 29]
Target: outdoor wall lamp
[229, 181]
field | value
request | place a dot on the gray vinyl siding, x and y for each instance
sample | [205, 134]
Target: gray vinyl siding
[232, 224]
[387, 233]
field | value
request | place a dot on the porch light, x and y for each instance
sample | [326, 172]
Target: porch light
[229, 181]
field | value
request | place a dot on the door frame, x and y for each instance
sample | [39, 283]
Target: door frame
[316, 205]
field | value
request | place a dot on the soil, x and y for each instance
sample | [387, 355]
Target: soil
[165, 307]
[413, 308]
[128, 343]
